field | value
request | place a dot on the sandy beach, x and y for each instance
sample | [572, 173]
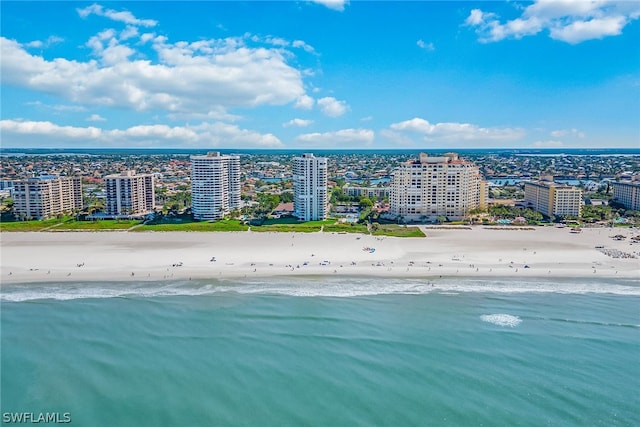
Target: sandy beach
[476, 252]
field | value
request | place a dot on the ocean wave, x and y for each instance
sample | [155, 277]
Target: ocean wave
[309, 287]
[502, 319]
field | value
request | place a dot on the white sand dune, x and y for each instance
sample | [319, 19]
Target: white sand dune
[478, 252]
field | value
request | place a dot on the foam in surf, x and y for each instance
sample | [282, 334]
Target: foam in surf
[307, 287]
[504, 320]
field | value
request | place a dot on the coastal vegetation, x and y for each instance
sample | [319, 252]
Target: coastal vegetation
[512, 212]
[186, 223]
[34, 225]
[68, 223]
[289, 228]
[394, 230]
[98, 225]
[289, 224]
[346, 228]
[226, 225]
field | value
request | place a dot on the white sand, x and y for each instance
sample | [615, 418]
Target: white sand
[480, 252]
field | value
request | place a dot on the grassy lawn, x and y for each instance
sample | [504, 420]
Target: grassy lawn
[622, 225]
[103, 224]
[28, 225]
[398, 231]
[348, 228]
[291, 225]
[295, 221]
[226, 225]
[288, 228]
[280, 221]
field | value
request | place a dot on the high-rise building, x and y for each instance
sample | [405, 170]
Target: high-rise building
[627, 193]
[46, 196]
[432, 187]
[553, 199]
[129, 194]
[310, 200]
[215, 185]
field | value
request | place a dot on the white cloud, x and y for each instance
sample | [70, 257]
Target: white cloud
[332, 107]
[567, 132]
[277, 41]
[146, 37]
[454, 132]
[415, 125]
[17, 133]
[122, 16]
[332, 4]
[587, 30]
[305, 102]
[298, 123]
[303, 45]
[70, 108]
[32, 129]
[426, 46]
[96, 118]
[58, 108]
[217, 114]
[105, 45]
[35, 44]
[129, 32]
[207, 75]
[227, 135]
[476, 17]
[571, 21]
[344, 138]
[51, 40]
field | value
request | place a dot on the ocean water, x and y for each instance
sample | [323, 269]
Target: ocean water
[324, 352]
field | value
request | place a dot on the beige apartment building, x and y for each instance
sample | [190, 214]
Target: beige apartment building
[432, 187]
[47, 196]
[627, 193]
[370, 192]
[129, 194]
[553, 199]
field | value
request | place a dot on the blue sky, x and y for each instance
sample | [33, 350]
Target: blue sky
[324, 74]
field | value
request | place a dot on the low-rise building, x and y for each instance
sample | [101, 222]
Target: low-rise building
[283, 209]
[370, 192]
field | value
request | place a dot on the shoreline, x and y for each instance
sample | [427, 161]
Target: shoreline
[32, 257]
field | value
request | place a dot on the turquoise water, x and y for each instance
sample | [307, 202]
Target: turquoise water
[324, 352]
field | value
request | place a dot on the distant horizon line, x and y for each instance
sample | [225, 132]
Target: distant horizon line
[326, 149]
